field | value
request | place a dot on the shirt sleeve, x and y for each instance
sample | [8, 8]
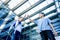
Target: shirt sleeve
[49, 21]
[36, 21]
[13, 24]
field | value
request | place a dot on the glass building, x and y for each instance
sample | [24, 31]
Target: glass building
[10, 9]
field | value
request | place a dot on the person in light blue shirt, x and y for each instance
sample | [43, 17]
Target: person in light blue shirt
[43, 24]
[45, 27]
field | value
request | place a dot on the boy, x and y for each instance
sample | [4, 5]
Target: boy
[45, 27]
[17, 25]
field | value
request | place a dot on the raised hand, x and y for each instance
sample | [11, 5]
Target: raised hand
[28, 16]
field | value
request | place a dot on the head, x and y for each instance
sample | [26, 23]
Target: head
[20, 18]
[41, 14]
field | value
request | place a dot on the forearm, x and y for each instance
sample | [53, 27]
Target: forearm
[31, 20]
[52, 27]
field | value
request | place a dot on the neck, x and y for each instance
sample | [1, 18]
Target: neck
[42, 17]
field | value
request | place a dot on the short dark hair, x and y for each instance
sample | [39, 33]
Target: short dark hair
[42, 13]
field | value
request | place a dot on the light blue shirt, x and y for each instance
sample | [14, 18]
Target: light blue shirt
[43, 24]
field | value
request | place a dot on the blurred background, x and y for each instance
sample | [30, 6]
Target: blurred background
[10, 9]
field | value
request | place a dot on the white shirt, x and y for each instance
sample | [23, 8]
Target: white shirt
[16, 26]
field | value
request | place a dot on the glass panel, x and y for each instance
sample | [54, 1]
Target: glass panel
[33, 1]
[29, 12]
[13, 3]
[49, 1]
[50, 15]
[3, 0]
[18, 10]
[34, 17]
[22, 8]
[25, 6]
[49, 9]
[40, 6]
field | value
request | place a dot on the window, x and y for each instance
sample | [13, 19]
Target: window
[40, 6]
[49, 9]
[13, 3]
[25, 6]
[49, 1]
[22, 8]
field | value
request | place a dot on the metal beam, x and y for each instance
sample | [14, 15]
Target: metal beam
[18, 5]
[32, 6]
[6, 2]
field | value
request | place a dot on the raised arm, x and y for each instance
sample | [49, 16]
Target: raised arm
[23, 18]
[30, 19]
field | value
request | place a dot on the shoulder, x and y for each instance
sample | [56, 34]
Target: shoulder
[47, 18]
[37, 20]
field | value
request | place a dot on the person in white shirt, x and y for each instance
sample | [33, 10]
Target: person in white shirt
[18, 29]
[17, 26]
[45, 27]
